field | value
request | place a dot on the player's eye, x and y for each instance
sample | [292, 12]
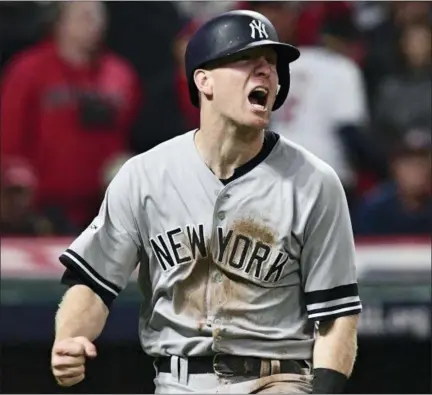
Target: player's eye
[271, 59]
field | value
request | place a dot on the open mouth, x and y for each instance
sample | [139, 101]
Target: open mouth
[259, 97]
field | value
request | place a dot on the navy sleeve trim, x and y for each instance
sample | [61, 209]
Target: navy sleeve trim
[332, 303]
[70, 278]
[77, 265]
[327, 295]
[344, 313]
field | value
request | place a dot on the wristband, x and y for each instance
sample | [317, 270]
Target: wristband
[328, 381]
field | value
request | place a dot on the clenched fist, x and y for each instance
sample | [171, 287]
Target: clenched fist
[68, 359]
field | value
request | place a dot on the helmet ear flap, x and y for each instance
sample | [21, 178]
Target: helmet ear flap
[283, 71]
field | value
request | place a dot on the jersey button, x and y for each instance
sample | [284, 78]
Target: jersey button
[218, 278]
[221, 215]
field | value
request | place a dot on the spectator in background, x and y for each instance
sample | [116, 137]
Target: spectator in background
[144, 32]
[189, 112]
[402, 206]
[67, 105]
[340, 34]
[404, 99]
[314, 15]
[18, 216]
[383, 54]
[368, 14]
[326, 109]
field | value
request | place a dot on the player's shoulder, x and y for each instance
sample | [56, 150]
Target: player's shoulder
[300, 163]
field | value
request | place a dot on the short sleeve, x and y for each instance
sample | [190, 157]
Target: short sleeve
[105, 254]
[349, 98]
[328, 256]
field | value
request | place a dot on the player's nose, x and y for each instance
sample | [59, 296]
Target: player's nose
[263, 67]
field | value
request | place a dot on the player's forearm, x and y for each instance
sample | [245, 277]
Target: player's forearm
[336, 345]
[81, 313]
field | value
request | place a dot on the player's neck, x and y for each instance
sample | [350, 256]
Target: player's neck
[224, 147]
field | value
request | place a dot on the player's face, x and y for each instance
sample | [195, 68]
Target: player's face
[244, 90]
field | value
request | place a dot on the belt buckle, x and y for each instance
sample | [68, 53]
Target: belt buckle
[217, 367]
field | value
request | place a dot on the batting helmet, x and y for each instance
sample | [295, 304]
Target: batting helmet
[231, 33]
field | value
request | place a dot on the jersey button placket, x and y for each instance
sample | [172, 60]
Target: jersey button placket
[221, 215]
[216, 286]
[217, 278]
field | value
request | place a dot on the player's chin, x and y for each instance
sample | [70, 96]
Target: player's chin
[259, 124]
[259, 120]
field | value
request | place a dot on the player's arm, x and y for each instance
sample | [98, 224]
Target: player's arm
[82, 312]
[99, 263]
[335, 352]
[330, 284]
[79, 320]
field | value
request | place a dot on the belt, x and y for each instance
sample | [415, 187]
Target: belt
[232, 365]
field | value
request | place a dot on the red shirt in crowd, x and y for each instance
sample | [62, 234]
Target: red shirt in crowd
[41, 121]
[313, 17]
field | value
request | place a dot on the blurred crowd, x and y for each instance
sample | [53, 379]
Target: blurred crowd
[86, 85]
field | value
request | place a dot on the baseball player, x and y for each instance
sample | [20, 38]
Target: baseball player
[243, 239]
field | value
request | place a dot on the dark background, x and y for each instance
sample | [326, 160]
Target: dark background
[122, 368]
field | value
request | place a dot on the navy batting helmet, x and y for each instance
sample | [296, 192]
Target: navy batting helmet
[234, 32]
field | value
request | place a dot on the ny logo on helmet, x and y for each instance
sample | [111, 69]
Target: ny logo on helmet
[258, 26]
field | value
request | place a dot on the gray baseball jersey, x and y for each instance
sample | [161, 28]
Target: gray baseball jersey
[244, 267]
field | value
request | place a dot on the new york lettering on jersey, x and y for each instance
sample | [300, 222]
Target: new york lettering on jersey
[234, 251]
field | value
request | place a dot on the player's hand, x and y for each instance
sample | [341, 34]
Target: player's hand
[68, 359]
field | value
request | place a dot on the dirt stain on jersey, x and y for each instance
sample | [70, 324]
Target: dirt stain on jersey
[189, 295]
[255, 230]
[229, 296]
[216, 332]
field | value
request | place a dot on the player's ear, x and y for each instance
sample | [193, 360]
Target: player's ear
[203, 81]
